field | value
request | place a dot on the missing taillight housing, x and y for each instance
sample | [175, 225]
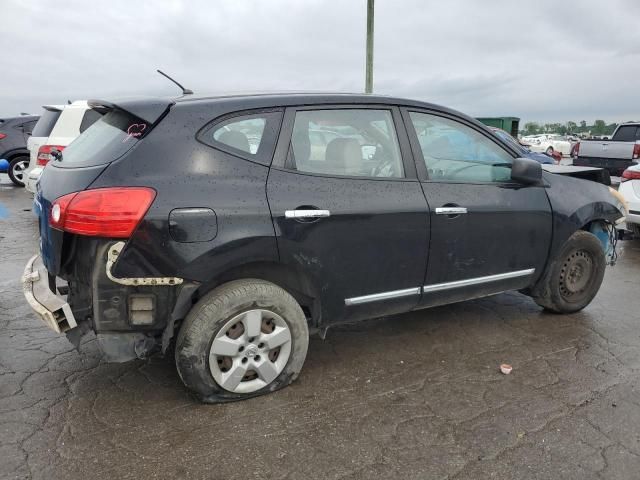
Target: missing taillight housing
[45, 153]
[102, 212]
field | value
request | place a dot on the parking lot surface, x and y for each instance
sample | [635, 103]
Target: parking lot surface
[413, 396]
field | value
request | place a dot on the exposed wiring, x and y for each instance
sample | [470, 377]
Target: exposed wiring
[613, 242]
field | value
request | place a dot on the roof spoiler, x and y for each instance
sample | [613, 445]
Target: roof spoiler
[53, 108]
[150, 110]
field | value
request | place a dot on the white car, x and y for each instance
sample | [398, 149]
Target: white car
[72, 120]
[630, 190]
[549, 144]
[41, 132]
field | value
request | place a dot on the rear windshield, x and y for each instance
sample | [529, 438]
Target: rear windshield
[105, 141]
[90, 117]
[45, 124]
[627, 133]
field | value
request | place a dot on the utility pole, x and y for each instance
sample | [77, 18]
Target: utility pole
[368, 88]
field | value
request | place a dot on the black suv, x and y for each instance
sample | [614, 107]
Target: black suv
[14, 134]
[240, 224]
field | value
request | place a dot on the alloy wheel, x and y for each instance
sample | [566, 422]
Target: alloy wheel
[19, 169]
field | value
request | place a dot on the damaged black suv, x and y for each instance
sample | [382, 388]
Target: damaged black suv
[235, 226]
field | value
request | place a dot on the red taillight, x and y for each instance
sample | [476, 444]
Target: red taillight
[630, 175]
[102, 212]
[2, 135]
[636, 151]
[44, 153]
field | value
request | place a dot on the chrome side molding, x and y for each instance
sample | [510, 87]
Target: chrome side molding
[376, 297]
[437, 287]
[475, 281]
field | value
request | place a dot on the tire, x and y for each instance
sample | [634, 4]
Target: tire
[574, 278]
[218, 342]
[549, 151]
[17, 169]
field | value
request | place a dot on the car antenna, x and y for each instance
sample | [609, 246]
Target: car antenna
[185, 91]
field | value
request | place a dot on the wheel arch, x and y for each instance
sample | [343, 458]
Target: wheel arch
[583, 219]
[17, 152]
[298, 284]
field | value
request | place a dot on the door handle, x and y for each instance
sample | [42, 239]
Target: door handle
[307, 213]
[450, 210]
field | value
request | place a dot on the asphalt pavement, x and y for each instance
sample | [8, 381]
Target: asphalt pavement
[415, 396]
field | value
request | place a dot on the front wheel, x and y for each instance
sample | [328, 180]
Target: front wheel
[17, 169]
[243, 339]
[575, 276]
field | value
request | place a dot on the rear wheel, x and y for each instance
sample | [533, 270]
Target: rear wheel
[243, 339]
[17, 169]
[575, 276]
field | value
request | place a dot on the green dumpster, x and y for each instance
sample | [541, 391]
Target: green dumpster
[508, 124]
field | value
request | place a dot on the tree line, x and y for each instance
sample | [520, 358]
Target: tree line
[599, 127]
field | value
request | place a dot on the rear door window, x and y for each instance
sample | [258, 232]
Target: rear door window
[105, 141]
[247, 135]
[46, 123]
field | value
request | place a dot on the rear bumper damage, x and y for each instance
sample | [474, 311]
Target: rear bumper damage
[50, 306]
[131, 317]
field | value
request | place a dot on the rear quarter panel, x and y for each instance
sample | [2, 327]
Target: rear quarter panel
[187, 174]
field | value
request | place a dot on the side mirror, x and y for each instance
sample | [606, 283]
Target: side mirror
[527, 171]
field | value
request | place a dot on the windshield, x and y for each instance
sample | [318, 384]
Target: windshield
[104, 141]
[45, 123]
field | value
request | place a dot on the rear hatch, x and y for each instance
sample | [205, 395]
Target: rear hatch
[112, 137]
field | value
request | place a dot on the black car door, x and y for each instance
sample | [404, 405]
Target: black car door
[348, 210]
[488, 233]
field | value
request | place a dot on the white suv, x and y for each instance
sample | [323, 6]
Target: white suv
[630, 190]
[72, 121]
[41, 133]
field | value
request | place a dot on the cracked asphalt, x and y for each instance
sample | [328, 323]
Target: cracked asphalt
[416, 396]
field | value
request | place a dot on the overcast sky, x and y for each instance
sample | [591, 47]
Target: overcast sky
[543, 60]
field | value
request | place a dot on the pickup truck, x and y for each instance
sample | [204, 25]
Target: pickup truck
[615, 155]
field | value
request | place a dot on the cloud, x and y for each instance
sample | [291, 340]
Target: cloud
[545, 61]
